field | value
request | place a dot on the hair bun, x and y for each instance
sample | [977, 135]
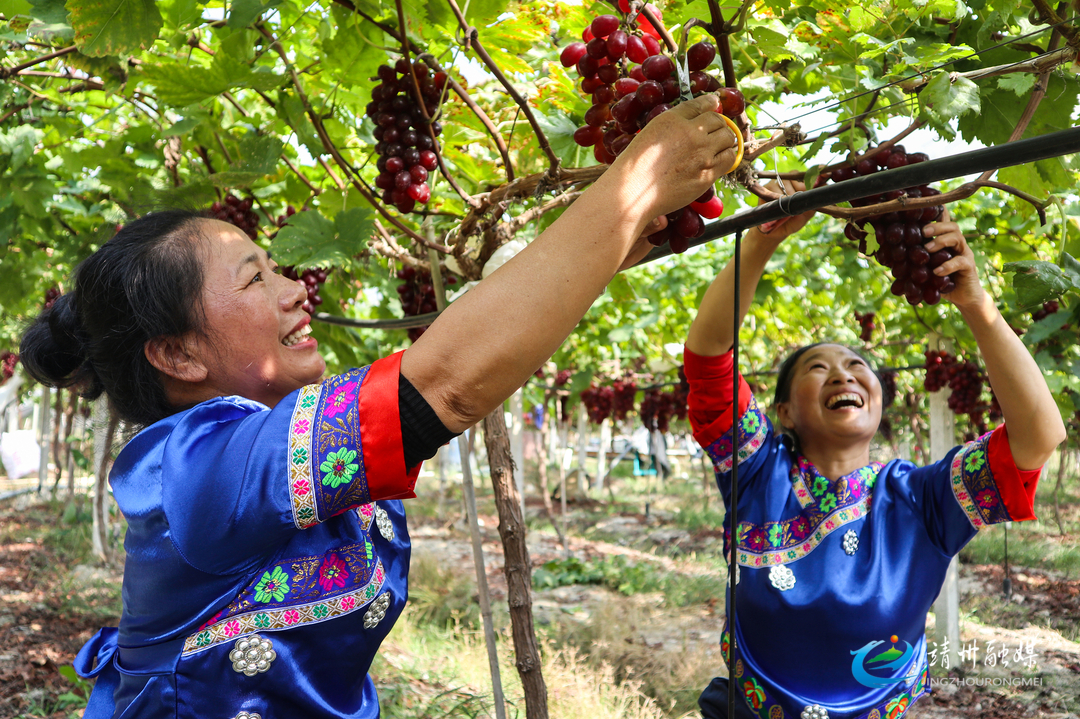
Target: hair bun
[53, 350]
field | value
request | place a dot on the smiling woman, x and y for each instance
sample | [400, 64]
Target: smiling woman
[267, 551]
[836, 554]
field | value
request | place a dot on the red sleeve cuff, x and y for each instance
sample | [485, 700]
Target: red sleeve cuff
[711, 394]
[1016, 486]
[380, 433]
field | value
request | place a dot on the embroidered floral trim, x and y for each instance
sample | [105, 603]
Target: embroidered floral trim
[336, 447]
[272, 587]
[303, 501]
[974, 487]
[283, 618]
[753, 431]
[338, 467]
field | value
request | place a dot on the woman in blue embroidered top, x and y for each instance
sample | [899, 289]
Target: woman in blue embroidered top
[839, 559]
[267, 556]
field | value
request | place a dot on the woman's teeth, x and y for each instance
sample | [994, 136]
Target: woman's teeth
[297, 336]
[846, 400]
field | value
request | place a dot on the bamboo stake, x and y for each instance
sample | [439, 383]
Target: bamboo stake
[481, 576]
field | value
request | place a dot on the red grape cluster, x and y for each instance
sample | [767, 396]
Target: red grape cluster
[937, 370]
[8, 360]
[630, 82]
[562, 377]
[312, 278]
[966, 380]
[598, 402]
[405, 148]
[866, 325]
[51, 295]
[1048, 309]
[417, 294]
[657, 408]
[888, 384]
[237, 212]
[899, 234]
[625, 390]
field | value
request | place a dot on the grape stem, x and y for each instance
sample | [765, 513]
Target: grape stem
[640, 8]
[885, 145]
[6, 72]
[472, 39]
[1052, 18]
[303, 178]
[423, 111]
[721, 29]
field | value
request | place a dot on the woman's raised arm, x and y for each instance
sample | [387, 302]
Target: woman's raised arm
[485, 345]
[1035, 426]
[711, 333]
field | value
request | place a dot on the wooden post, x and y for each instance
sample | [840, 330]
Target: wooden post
[582, 448]
[105, 423]
[947, 605]
[601, 455]
[517, 442]
[481, 577]
[516, 565]
[44, 436]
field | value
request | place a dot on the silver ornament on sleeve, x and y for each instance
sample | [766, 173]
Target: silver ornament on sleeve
[814, 711]
[851, 542]
[376, 611]
[781, 577]
[248, 715]
[383, 522]
[252, 655]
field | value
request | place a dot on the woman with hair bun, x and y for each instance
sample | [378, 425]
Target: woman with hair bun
[267, 554]
[840, 558]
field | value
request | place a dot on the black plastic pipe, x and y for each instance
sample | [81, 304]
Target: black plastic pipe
[1054, 144]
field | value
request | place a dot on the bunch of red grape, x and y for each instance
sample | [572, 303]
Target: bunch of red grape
[681, 395]
[630, 82]
[404, 145]
[598, 402]
[937, 370]
[900, 234]
[51, 295]
[623, 403]
[657, 408]
[1048, 309]
[866, 324]
[562, 377]
[417, 295]
[238, 212]
[966, 380]
[888, 384]
[8, 360]
[312, 278]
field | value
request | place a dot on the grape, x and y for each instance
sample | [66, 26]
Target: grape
[866, 324]
[572, 53]
[237, 212]
[8, 360]
[604, 25]
[608, 74]
[51, 296]
[625, 86]
[658, 67]
[588, 136]
[650, 94]
[616, 45]
[635, 49]
[700, 55]
[843, 173]
[732, 102]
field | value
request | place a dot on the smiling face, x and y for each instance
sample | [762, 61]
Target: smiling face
[834, 399]
[257, 342]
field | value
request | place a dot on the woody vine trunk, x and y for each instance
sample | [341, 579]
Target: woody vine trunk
[516, 565]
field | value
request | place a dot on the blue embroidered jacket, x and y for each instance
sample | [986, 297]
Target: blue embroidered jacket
[261, 573]
[836, 577]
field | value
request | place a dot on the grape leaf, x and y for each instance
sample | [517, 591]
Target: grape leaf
[50, 12]
[1045, 328]
[311, 240]
[950, 96]
[244, 12]
[1037, 281]
[113, 27]
[187, 84]
[1019, 82]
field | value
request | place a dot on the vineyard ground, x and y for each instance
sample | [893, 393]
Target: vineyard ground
[630, 623]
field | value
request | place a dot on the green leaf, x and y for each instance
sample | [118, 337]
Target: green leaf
[1045, 328]
[950, 96]
[1037, 281]
[50, 12]
[182, 85]
[1019, 82]
[113, 27]
[244, 12]
[311, 240]
[19, 143]
[620, 288]
[872, 243]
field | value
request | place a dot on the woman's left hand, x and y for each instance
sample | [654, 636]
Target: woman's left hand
[969, 291]
[642, 245]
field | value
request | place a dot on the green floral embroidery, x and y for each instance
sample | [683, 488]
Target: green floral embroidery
[272, 587]
[776, 534]
[974, 461]
[339, 467]
[202, 639]
[792, 554]
[300, 455]
[305, 513]
[829, 503]
[320, 611]
[308, 401]
[820, 485]
[262, 620]
[751, 422]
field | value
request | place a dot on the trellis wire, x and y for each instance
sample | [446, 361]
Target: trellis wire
[838, 103]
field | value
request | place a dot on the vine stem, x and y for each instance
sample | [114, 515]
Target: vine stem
[303, 178]
[423, 110]
[829, 168]
[472, 39]
[672, 46]
[6, 72]
[332, 150]
[1053, 18]
[478, 111]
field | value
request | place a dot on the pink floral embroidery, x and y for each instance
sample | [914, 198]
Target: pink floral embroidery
[210, 621]
[800, 527]
[339, 400]
[301, 487]
[986, 498]
[830, 524]
[348, 603]
[232, 628]
[333, 573]
[302, 426]
[291, 617]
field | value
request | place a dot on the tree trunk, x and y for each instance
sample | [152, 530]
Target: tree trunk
[543, 455]
[57, 413]
[68, 442]
[1063, 453]
[105, 423]
[63, 454]
[516, 565]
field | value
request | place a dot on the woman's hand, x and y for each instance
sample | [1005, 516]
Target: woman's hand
[969, 291]
[779, 230]
[642, 245]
